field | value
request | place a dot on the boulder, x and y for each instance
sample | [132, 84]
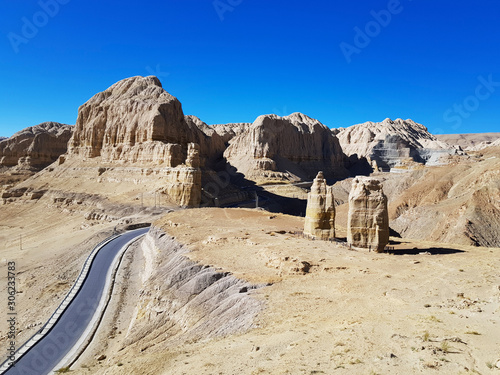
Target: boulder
[320, 212]
[368, 218]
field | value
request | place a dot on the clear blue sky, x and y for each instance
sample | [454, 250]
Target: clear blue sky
[437, 62]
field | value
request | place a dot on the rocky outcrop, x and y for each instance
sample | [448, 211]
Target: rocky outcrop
[457, 204]
[320, 211]
[368, 220]
[136, 120]
[35, 147]
[229, 131]
[284, 149]
[390, 144]
[470, 142]
[182, 299]
[183, 185]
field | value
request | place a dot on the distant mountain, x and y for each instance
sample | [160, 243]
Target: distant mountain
[390, 144]
[35, 147]
[471, 142]
[292, 148]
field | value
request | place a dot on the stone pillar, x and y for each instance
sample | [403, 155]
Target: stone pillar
[368, 220]
[193, 155]
[320, 212]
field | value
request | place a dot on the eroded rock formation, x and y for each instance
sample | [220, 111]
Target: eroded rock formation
[136, 120]
[368, 219]
[320, 212]
[184, 182]
[290, 148]
[229, 131]
[399, 143]
[35, 147]
[181, 298]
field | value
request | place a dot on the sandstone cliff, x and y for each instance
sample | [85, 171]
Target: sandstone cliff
[320, 211]
[183, 185]
[286, 149]
[458, 203]
[136, 120]
[389, 144]
[229, 131]
[368, 220]
[35, 147]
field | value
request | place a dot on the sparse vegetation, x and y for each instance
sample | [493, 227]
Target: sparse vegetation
[445, 346]
[425, 336]
[472, 333]
[63, 370]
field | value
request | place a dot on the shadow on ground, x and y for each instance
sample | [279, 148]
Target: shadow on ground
[431, 251]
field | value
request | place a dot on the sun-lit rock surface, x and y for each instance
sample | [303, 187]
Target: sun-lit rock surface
[320, 212]
[289, 148]
[368, 220]
[136, 120]
[35, 147]
[398, 143]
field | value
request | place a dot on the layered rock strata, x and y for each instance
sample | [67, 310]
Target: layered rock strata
[320, 211]
[182, 299]
[184, 182]
[35, 147]
[286, 149]
[136, 120]
[229, 131]
[394, 144]
[368, 218]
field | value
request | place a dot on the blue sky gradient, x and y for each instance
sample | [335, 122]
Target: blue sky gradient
[437, 63]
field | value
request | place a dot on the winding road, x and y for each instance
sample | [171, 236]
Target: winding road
[75, 322]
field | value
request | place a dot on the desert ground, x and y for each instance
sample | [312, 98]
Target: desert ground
[427, 307]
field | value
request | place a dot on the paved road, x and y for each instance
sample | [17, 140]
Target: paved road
[47, 353]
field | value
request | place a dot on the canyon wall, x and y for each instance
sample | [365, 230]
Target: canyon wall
[286, 149]
[35, 147]
[394, 144]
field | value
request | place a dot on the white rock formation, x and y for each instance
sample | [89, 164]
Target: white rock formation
[394, 143]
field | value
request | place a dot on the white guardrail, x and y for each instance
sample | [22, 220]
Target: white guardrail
[62, 307]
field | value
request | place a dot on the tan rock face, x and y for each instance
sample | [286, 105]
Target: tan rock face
[394, 143]
[136, 120]
[229, 131]
[320, 212]
[368, 220]
[184, 182]
[35, 147]
[290, 148]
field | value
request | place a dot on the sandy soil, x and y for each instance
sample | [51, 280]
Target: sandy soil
[49, 243]
[430, 308]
